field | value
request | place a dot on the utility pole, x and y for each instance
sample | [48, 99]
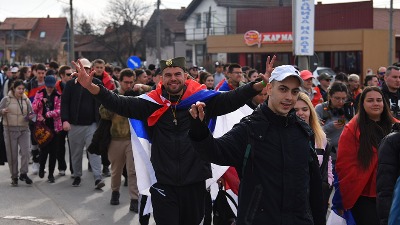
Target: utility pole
[71, 34]
[391, 33]
[12, 44]
[208, 21]
[158, 32]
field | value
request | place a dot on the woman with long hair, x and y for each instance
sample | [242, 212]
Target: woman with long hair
[305, 110]
[16, 111]
[357, 157]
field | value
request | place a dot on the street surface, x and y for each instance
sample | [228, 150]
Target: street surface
[60, 203]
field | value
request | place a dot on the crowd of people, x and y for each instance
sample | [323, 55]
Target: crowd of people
[301, 142]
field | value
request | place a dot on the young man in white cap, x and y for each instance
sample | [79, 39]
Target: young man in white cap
[178, 194]
[276, 187]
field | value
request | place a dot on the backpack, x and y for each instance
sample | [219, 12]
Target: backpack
[223, 214]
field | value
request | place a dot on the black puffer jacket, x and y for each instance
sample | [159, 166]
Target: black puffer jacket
[172, 155]
[388, 172]
[275, 185]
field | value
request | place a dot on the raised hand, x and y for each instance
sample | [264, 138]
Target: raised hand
[82, 76]
[269, 65]
[197, 110]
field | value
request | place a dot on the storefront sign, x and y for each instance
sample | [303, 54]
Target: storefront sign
[253, 37]
[303, 27]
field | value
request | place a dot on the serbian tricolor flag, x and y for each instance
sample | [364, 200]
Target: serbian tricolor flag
[337, 204]
[141, 142]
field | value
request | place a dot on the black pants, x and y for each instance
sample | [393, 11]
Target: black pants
[62, 165]
[178, 205]
[208, 208]
[364, 211]
[51, 150]
[35, 151]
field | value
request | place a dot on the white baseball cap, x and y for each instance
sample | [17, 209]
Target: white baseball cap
[86, 63]
[14, 69]
[282, 72]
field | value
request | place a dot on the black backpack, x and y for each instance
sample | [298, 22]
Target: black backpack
[223, 214]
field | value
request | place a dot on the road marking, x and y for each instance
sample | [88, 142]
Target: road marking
[33, 219]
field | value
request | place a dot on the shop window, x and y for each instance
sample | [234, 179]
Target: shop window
[42, 34]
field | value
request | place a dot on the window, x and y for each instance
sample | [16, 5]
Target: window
[42, 34]
[198, 20]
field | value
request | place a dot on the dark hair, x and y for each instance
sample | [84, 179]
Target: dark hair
[341, 77]
[16, 83]
[337, 87]
[139, 72]
[369, 78]
[226, 65]
[390, 68]
[369, 135]
[148, 72]
[126, 73]
[108, 68]
[63, 69]
[204, 76]
[33, 67]
[233, 66]
[251, 72]
[99, 61]
[22, 72]
[53, 65]
[40, 66]
[50, 72]
[117, 68]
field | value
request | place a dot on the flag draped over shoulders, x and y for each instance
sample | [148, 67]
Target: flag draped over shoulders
[141, 141]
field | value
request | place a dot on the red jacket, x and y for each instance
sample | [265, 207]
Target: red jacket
[354, 181]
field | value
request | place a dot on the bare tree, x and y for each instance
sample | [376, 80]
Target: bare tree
[124, 27]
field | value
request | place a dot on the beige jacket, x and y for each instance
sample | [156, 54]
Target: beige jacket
[15, 117]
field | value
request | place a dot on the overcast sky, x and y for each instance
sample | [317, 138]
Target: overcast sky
[95, 8]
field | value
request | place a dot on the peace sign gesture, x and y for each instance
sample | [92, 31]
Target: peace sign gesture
[84, 78]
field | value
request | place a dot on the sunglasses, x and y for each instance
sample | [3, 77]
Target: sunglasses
[381, 73]
[68, 74]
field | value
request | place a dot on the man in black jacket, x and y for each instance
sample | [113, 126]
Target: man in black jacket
[80, 114]
[271, 150]
[391, 89]
[178, 195]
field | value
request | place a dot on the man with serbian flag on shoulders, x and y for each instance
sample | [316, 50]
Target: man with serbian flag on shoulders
[178, 180]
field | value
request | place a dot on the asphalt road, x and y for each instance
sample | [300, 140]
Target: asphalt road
[60, 203]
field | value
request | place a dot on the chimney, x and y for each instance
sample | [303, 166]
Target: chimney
[319, 3]
[48, 16]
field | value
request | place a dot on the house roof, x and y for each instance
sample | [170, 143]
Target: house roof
[235, 4]
[87, 43]
[19, 23]
[54, 28]
[169, 18]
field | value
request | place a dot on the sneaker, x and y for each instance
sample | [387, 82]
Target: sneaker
[106, 172]
[24, 177]
[14, 182]
[61, 173]
[77, 182]
[51, 179]
[114, 198]
[99, 184]
[134, 206]
[35, 168]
